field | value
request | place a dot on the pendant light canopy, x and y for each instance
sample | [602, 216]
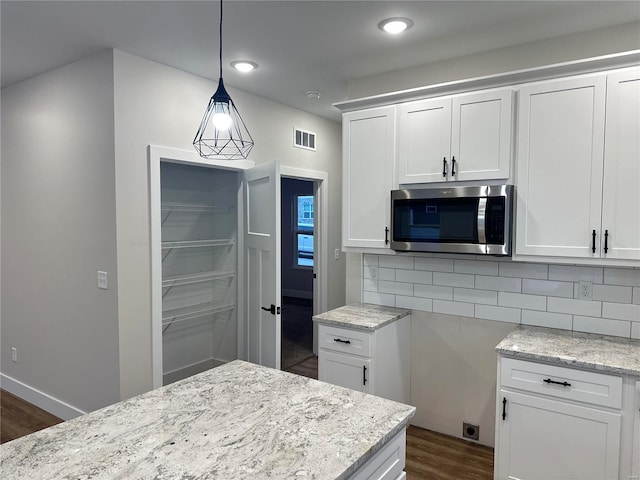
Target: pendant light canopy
[222, 132]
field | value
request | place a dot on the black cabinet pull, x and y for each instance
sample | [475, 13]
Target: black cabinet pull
[593, 241]
[364, 375]
[453, 166]
[504, 408]
[549, 381]
[339, 340]
[444, 167]
[386, 235]
[606, 241]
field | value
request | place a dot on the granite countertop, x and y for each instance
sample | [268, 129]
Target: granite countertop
[364, 316]
[237, 421]
[576, 349]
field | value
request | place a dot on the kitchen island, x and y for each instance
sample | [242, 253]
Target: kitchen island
[237, 421]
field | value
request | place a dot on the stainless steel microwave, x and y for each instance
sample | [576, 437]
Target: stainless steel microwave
[474, 220]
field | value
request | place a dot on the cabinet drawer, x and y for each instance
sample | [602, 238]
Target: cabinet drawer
[562, 382]
[344, 340]
[387, 464]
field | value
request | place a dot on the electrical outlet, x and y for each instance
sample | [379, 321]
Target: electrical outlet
[470, 431]
[103, 280]
[585, 291]
[336, 254]
[14, 354]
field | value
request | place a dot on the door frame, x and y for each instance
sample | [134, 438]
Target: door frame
[321, 236]
[158, 154]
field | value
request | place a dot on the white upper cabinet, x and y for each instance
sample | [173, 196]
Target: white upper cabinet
[465, 137]
[621, 191]
[578, 182]
[559, 167]
[368, 157]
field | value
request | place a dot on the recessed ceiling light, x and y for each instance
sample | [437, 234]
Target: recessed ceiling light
[395, 25]
[244, 65]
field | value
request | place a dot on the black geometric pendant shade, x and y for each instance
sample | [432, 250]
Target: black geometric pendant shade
[222, 133]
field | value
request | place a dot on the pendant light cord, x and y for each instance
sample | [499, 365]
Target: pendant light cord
[220, 38]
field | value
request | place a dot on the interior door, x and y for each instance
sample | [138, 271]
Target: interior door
[262, 264]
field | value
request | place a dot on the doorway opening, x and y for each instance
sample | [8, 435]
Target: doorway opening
[298, 228]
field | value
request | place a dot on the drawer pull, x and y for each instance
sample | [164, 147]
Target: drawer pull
[549, 381]
[339, 340]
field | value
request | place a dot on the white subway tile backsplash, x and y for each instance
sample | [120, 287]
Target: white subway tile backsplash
[370, 271]
[388, 274]
[369, 285]
[500, 284]
[549, 288]
[434, 264]
[501, 314]
[603, 326]
[471, 295]
[414, 303]
[621, 311]
[379, 299]
[519, 300]
[395, 261]
[507, 291]
[547, 319]
[414, 276]
[453, 308]
[471, 266]
[622, 276]
[575, 274]
[524, 270]
[576, 307]
[635, 330]
[453, 279]
[395, 288]
[611, 293]
[433, 291]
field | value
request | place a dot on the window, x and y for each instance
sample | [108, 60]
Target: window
[304, 231]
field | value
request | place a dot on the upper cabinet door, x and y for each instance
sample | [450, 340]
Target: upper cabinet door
[368, 138]
[424, 141]
[621, 191]
[481, 135]
[559, 172]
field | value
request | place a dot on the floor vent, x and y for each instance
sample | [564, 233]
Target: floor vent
[304, 139]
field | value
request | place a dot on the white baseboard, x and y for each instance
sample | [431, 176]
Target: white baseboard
[297, 293]
[40, 399]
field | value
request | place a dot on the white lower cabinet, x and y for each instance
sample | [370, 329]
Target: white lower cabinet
[371, 361]
[387, 464]
[559, 423]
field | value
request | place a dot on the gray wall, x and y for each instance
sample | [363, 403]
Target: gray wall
[453, 358]
[156, 104]
[58, 230]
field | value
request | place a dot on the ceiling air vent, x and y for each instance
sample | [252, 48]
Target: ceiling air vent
[304, 139]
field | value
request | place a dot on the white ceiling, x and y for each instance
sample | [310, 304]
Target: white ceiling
[300, 45]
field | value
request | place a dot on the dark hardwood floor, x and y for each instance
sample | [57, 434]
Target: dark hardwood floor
[430, 455]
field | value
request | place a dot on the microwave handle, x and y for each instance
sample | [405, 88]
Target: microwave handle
[482, 215]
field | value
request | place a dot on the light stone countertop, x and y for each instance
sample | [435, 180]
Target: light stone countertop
[576, 349]
[363, 316]
[237, 421]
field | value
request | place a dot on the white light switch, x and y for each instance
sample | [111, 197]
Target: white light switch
[103, 281]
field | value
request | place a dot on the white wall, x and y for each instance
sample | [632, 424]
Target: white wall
[156, 104]
[453, 357]
[605, 41]
[58, 230]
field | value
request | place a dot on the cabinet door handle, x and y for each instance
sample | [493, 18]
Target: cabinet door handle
[339, 340]
[444, 167]
[593, 241]
[364, 375]
[549, 381]
[453, 166]
[386, 235]
[606, 241]
[504, 408]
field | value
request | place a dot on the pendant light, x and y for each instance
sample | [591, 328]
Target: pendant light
[222, 133]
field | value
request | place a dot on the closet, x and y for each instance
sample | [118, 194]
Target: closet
[199, 238]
